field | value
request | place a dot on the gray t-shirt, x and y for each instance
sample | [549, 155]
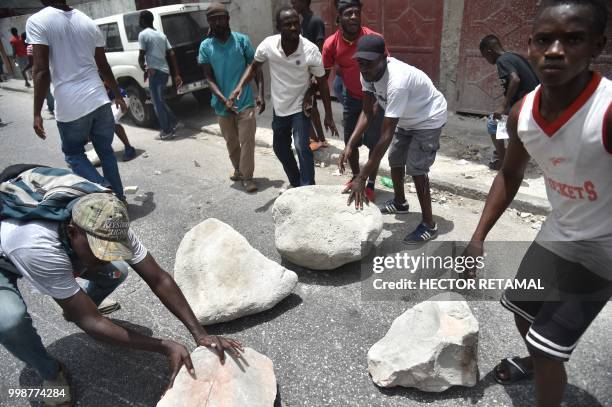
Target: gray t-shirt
[155, 45]
[35, 248]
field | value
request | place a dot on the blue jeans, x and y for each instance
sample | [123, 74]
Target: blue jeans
[18, 335]
[338, 88]
[352, 109]
[282, 128]
[99, 126]
[50, 101]
[157, 84]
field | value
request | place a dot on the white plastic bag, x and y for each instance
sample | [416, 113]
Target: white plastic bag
[502, 131]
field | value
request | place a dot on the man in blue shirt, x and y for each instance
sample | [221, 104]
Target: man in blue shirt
[224, 57]
[154, 48]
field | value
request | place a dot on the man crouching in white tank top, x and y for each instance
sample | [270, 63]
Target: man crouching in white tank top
[565, 125]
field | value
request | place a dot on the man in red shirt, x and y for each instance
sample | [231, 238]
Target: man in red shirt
[338, 52]
[20, 54]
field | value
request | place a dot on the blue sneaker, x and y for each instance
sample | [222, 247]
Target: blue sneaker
[129, 153]
[421, 234]
[391, 207]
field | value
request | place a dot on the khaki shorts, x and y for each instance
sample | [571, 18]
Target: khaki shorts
[415, 149]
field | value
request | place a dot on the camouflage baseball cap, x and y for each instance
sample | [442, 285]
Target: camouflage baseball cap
[105, 220]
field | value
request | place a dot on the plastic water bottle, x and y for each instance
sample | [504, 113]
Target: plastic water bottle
[386, 181]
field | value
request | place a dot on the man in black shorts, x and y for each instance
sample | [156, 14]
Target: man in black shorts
[565, 126]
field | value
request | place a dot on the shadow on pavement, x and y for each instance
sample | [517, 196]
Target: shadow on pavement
[407, 223]
[345, 275]
[249, 321]
[471, 395]
[262, 185]
[104, 375]
[141, 209]
[139, 152]
[521, 394]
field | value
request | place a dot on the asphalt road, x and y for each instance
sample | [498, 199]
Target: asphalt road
[318, 337]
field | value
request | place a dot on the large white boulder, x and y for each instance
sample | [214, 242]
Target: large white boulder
[223, 277]
[247, 381]
[432, 346]
[316, 229]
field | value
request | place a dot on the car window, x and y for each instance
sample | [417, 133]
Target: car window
[132, 28]
[185, 28]
[111, 37]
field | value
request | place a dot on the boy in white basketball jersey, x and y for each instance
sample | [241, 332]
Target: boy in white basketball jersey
[565, 125]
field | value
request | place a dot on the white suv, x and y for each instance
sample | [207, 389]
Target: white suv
[185, 26]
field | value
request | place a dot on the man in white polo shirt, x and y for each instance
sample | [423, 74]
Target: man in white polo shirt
[68, 50]
[293, 59]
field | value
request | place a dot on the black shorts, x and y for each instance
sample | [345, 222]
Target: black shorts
[561, 312]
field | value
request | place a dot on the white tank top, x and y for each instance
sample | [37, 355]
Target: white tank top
[576, 160]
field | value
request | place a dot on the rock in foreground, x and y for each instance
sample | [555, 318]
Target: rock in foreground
[223, 277]
[432, 346]
[248, 381]
[314, 228]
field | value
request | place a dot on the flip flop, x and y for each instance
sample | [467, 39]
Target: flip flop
[315, 145]
[494, 164]
[515, 370]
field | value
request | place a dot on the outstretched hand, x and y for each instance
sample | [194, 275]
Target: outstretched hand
[329, 124]
[357, 192]
[307, 103]
[344, 156]
[120, 103]
[39, 128]
[260, 102]
[178, 355]
[473, 250]
[221, 345]
[235, 95]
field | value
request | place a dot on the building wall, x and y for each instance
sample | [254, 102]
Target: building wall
[94, 9]
[449, 50]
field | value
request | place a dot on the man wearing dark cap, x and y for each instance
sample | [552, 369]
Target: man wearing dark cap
[293, 60]
[338, 53]
[415, 112]
[224, 57]
[95, 245]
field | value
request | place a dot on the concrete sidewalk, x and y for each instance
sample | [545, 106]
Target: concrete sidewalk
[460, 167]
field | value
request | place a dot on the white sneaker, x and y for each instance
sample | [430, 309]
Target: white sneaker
[60, 385]
[108, 306]
[165, 136]
[178, 126]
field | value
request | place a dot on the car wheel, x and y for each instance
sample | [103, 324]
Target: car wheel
[140, 112]
[202, 96]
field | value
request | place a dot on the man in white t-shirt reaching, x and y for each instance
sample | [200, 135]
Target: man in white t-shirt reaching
[415, 112]
[68, 49]
[95, 245]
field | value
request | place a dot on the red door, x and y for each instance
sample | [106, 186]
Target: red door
[479, 89]
[412, 28]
